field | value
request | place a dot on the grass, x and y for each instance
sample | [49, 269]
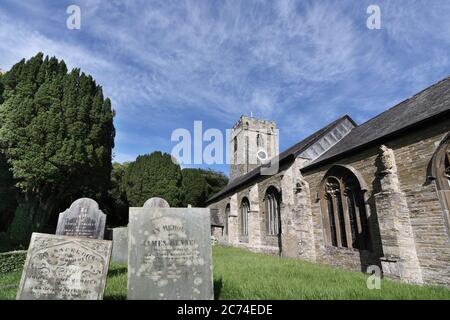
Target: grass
[239, 274]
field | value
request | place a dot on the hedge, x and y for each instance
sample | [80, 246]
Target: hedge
[12, 261]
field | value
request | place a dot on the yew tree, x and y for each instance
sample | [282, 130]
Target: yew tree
[57, 135]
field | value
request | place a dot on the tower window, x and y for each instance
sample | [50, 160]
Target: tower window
[259, 140]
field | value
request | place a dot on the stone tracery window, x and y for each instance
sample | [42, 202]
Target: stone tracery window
[441, 173]
[245, 208]
[344, 212]
[272, 206]
[227, 214]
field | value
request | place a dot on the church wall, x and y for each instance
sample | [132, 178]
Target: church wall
[266, 239]
[221, 234]
[349, 258]
[413, 153]
[420, 222]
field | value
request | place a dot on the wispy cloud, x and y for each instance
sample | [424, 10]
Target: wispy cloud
[301, 63]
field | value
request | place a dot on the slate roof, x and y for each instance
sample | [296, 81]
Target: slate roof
[433, 102]
[288, 154]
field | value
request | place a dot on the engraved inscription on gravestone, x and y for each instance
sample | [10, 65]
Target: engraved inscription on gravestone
[82, 219]
[64, 268]
[169, 254]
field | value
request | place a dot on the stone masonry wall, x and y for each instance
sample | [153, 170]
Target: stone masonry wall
[417, 209]
[413, 153]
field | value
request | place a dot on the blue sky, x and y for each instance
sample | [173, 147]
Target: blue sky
[166, 63]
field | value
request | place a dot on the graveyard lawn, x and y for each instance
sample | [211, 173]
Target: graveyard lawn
[239, 274]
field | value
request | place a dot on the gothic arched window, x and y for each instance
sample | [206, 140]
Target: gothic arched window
[227, 214]
[344, 211]
[272, 205]
[245, 208]
[441, 173]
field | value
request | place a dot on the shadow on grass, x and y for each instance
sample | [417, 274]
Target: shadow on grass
[117, 271]
[217, 288]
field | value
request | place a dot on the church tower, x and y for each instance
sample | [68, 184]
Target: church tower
[252, 141]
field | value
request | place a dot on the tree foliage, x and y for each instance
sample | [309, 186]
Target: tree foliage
[7, 194]
[195, 188]
[200, 184]
[57, 133]
[117, 198]
[215, 180]
[153, 175]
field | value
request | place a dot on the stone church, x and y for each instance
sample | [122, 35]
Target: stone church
[348, 195]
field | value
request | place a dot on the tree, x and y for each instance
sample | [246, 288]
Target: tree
[199, 185]
[215, 180]
[7, 194]
[57, 133]
[117, 202]
[153, 175]
[195, 187]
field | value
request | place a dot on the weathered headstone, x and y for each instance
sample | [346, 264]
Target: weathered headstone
[120, 245]
[156, 202]
[169, 254]
[82, 219]
[64, 268]
[120, 235]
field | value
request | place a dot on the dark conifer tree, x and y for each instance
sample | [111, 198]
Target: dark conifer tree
[56, 133]
[153, 175]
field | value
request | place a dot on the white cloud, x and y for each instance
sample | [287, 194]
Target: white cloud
[302, 63]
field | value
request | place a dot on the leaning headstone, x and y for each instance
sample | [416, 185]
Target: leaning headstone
[169, 254]
[156, 202]
[64, 268]
[120, 245]
[82, 219]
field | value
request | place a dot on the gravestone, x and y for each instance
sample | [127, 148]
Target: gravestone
[156, 202]
[120, 245]
[64, 268]
[169, 254]
[82, 219]
[120, 235]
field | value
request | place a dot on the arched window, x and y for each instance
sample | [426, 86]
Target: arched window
[235, 144]
[441, 173]
[259, 141]
[245, 208]
[227, 214]
[344, 211]
[272, 205]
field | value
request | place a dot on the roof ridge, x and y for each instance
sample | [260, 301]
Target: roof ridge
[427, 104]
[406, 100]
